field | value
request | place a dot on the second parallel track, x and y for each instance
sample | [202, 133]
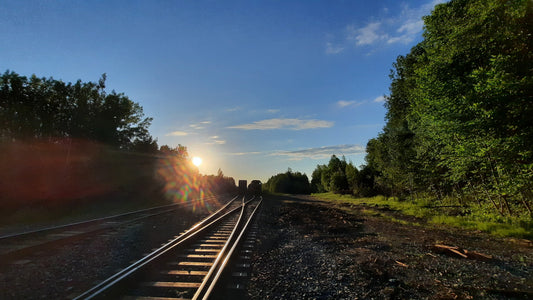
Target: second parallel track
[187, 267]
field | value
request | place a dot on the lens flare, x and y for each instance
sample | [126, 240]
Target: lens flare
[183, 183]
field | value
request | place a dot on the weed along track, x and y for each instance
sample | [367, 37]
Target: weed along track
[189, 266]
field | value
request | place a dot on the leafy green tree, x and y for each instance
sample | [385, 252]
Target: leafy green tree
[352, 178]
[51, 109]
[179, 152]
[338, 177]
[460, 106]
[316, 179]
[288, 183]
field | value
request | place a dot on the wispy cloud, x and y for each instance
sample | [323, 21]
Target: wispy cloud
[379, 99]
[369, 34]
[215, 140]
[347, 104]
[407, 32]
[402, 28]
[333, 49]
[219, 142]
[232, 109]
[191, 130]
[343, 103]
[272, 111]
[321, 152]
[290, 124]
[177, 133]
[242, 153]
[200, 125]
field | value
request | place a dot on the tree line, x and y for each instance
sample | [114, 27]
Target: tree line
[288, 183]
[459, 121]
[342, 177]
[65, 142]
[46, 108]
[459, 116]
[338, 176]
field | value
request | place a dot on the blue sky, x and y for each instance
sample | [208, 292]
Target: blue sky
[251, 87]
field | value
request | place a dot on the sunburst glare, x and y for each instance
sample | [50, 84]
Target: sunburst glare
[197, 161]
[183, 183]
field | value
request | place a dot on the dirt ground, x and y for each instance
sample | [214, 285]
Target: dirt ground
[309, 249]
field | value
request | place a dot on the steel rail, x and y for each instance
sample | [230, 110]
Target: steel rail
[220, 255]
[236, 243]
[87, 222]
[128, 271]
[11, 250]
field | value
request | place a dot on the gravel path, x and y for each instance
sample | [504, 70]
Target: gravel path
[312, 250]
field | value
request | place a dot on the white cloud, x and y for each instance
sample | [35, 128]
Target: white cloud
[322, 152]
[215, 140]
[410, 23]
[192, 129]
[272, 111]
[343, 103]
[404, 28]
[200, 125]
[177, 133]
[412, 26]
[242, 153]
[232, 109]
[290, 124]
[333, 49]
[379, 99]
[369, 34]
[408, 31]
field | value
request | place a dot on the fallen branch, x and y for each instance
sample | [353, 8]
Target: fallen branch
[457, 251]
[477, 255]
[401, 264]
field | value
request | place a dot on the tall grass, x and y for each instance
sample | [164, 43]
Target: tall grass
[448, 212]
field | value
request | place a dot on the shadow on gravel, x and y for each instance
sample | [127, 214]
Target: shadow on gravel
[309, 249]
[322, 223]
[295, 198]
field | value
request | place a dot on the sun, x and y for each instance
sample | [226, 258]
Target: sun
[197, 161]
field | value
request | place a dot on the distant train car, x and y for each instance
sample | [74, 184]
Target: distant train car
[255, 187]
[242, 187]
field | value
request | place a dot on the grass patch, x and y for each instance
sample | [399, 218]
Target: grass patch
[445, 213]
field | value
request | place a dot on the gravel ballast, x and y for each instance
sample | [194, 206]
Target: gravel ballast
[305, 249]
[309, 249]
[66, 271]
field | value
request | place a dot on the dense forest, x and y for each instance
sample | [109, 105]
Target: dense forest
[459, 120]
[65, 143]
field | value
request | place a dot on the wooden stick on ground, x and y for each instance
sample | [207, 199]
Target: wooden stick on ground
[460, 252]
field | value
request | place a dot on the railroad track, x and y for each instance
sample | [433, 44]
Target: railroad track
[188, 267]
[16, 245]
